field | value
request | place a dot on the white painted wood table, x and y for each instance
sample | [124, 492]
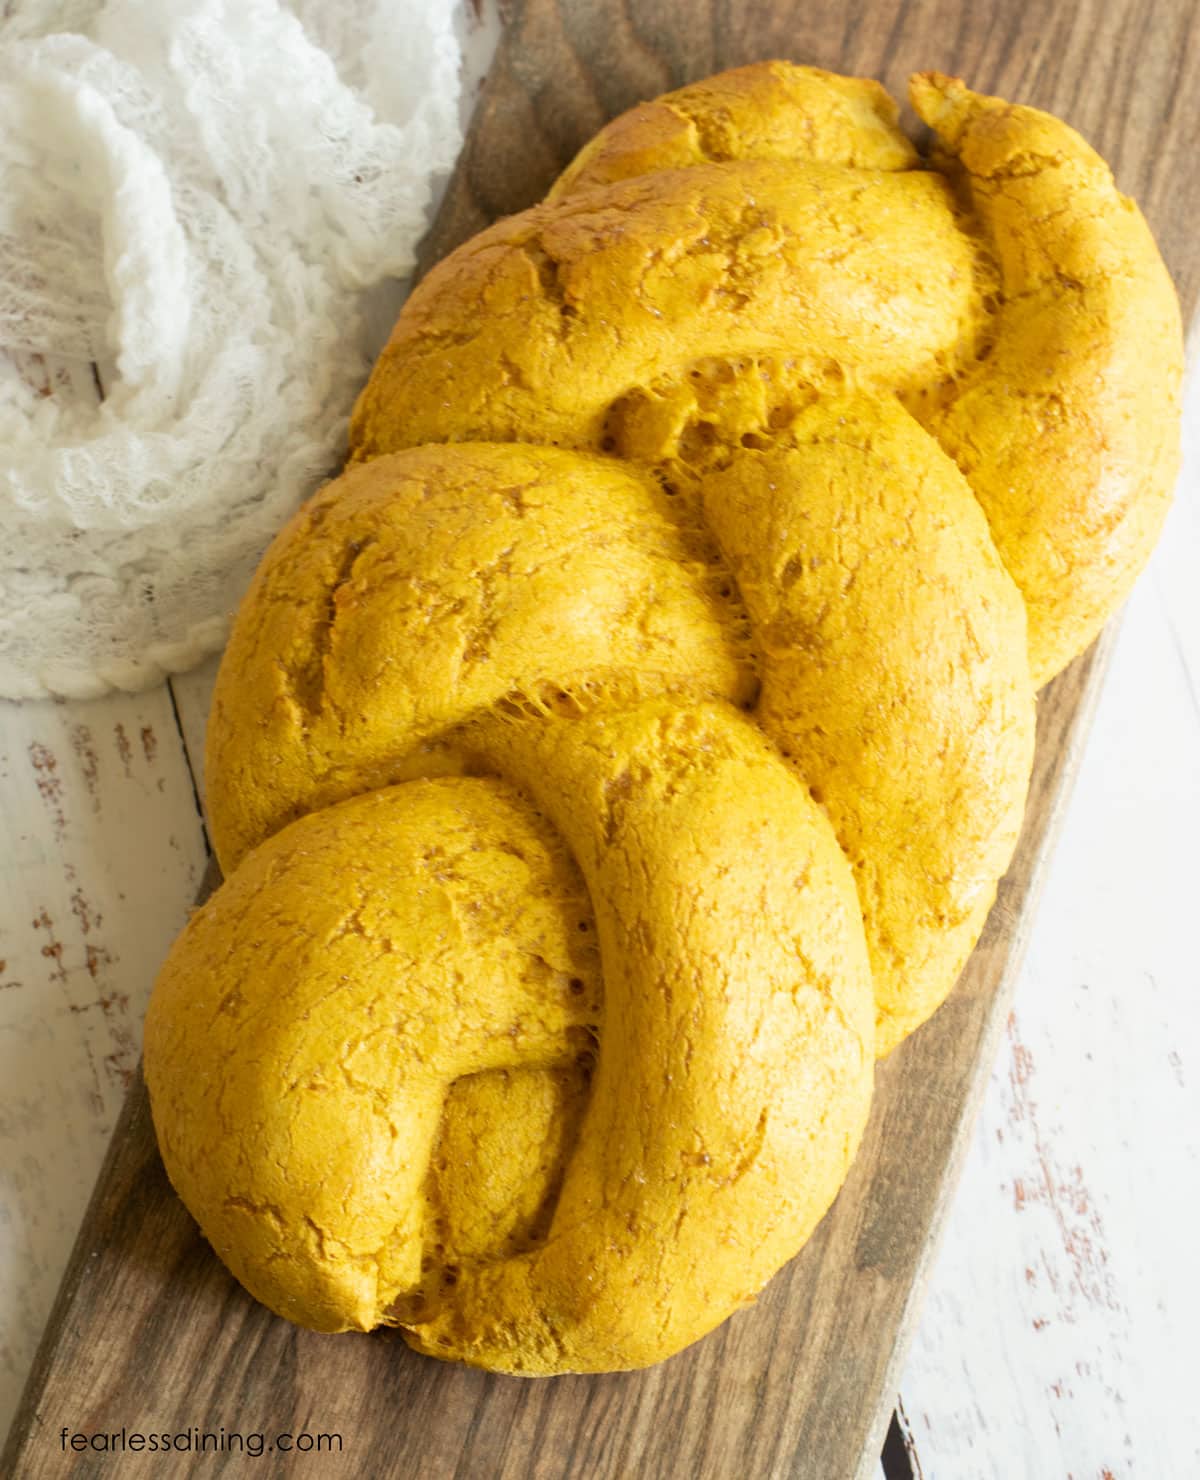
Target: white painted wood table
[1059, 1330]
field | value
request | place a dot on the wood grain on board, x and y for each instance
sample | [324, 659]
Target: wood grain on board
[150, 1334]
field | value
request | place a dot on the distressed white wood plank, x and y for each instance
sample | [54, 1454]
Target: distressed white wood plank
[101, 853]
[1058, 1336]
[192, 693]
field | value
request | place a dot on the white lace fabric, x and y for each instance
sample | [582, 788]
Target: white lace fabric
[198, 201]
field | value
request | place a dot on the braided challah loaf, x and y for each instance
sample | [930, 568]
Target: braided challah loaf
[626, 749]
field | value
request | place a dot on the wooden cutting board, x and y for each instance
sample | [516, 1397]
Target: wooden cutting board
[150, 1335]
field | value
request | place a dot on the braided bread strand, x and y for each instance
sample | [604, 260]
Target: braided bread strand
[650, 708]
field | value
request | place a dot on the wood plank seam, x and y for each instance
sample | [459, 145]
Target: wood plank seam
[191, 766]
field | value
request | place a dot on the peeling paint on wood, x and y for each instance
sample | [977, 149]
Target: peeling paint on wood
[91, 893]
[1058, 1331]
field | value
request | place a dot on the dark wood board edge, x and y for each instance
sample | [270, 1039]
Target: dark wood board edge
[1056, 790]
[119, 1174]
[55, 1347]
[111, 1226]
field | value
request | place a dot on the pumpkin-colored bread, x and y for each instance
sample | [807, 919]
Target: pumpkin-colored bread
[626, 749]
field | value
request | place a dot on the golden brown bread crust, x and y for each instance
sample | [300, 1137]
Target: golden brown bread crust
[670, 508]
[772, 110]
[1068, 430]
[308, 1024]
[534, 328]
[1029, 323]
[419, 592]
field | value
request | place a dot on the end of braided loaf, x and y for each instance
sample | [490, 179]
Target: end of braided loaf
[1068, 428]
[625, 750]
[770, 111]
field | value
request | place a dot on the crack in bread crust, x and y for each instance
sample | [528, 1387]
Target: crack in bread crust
[627, 747]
